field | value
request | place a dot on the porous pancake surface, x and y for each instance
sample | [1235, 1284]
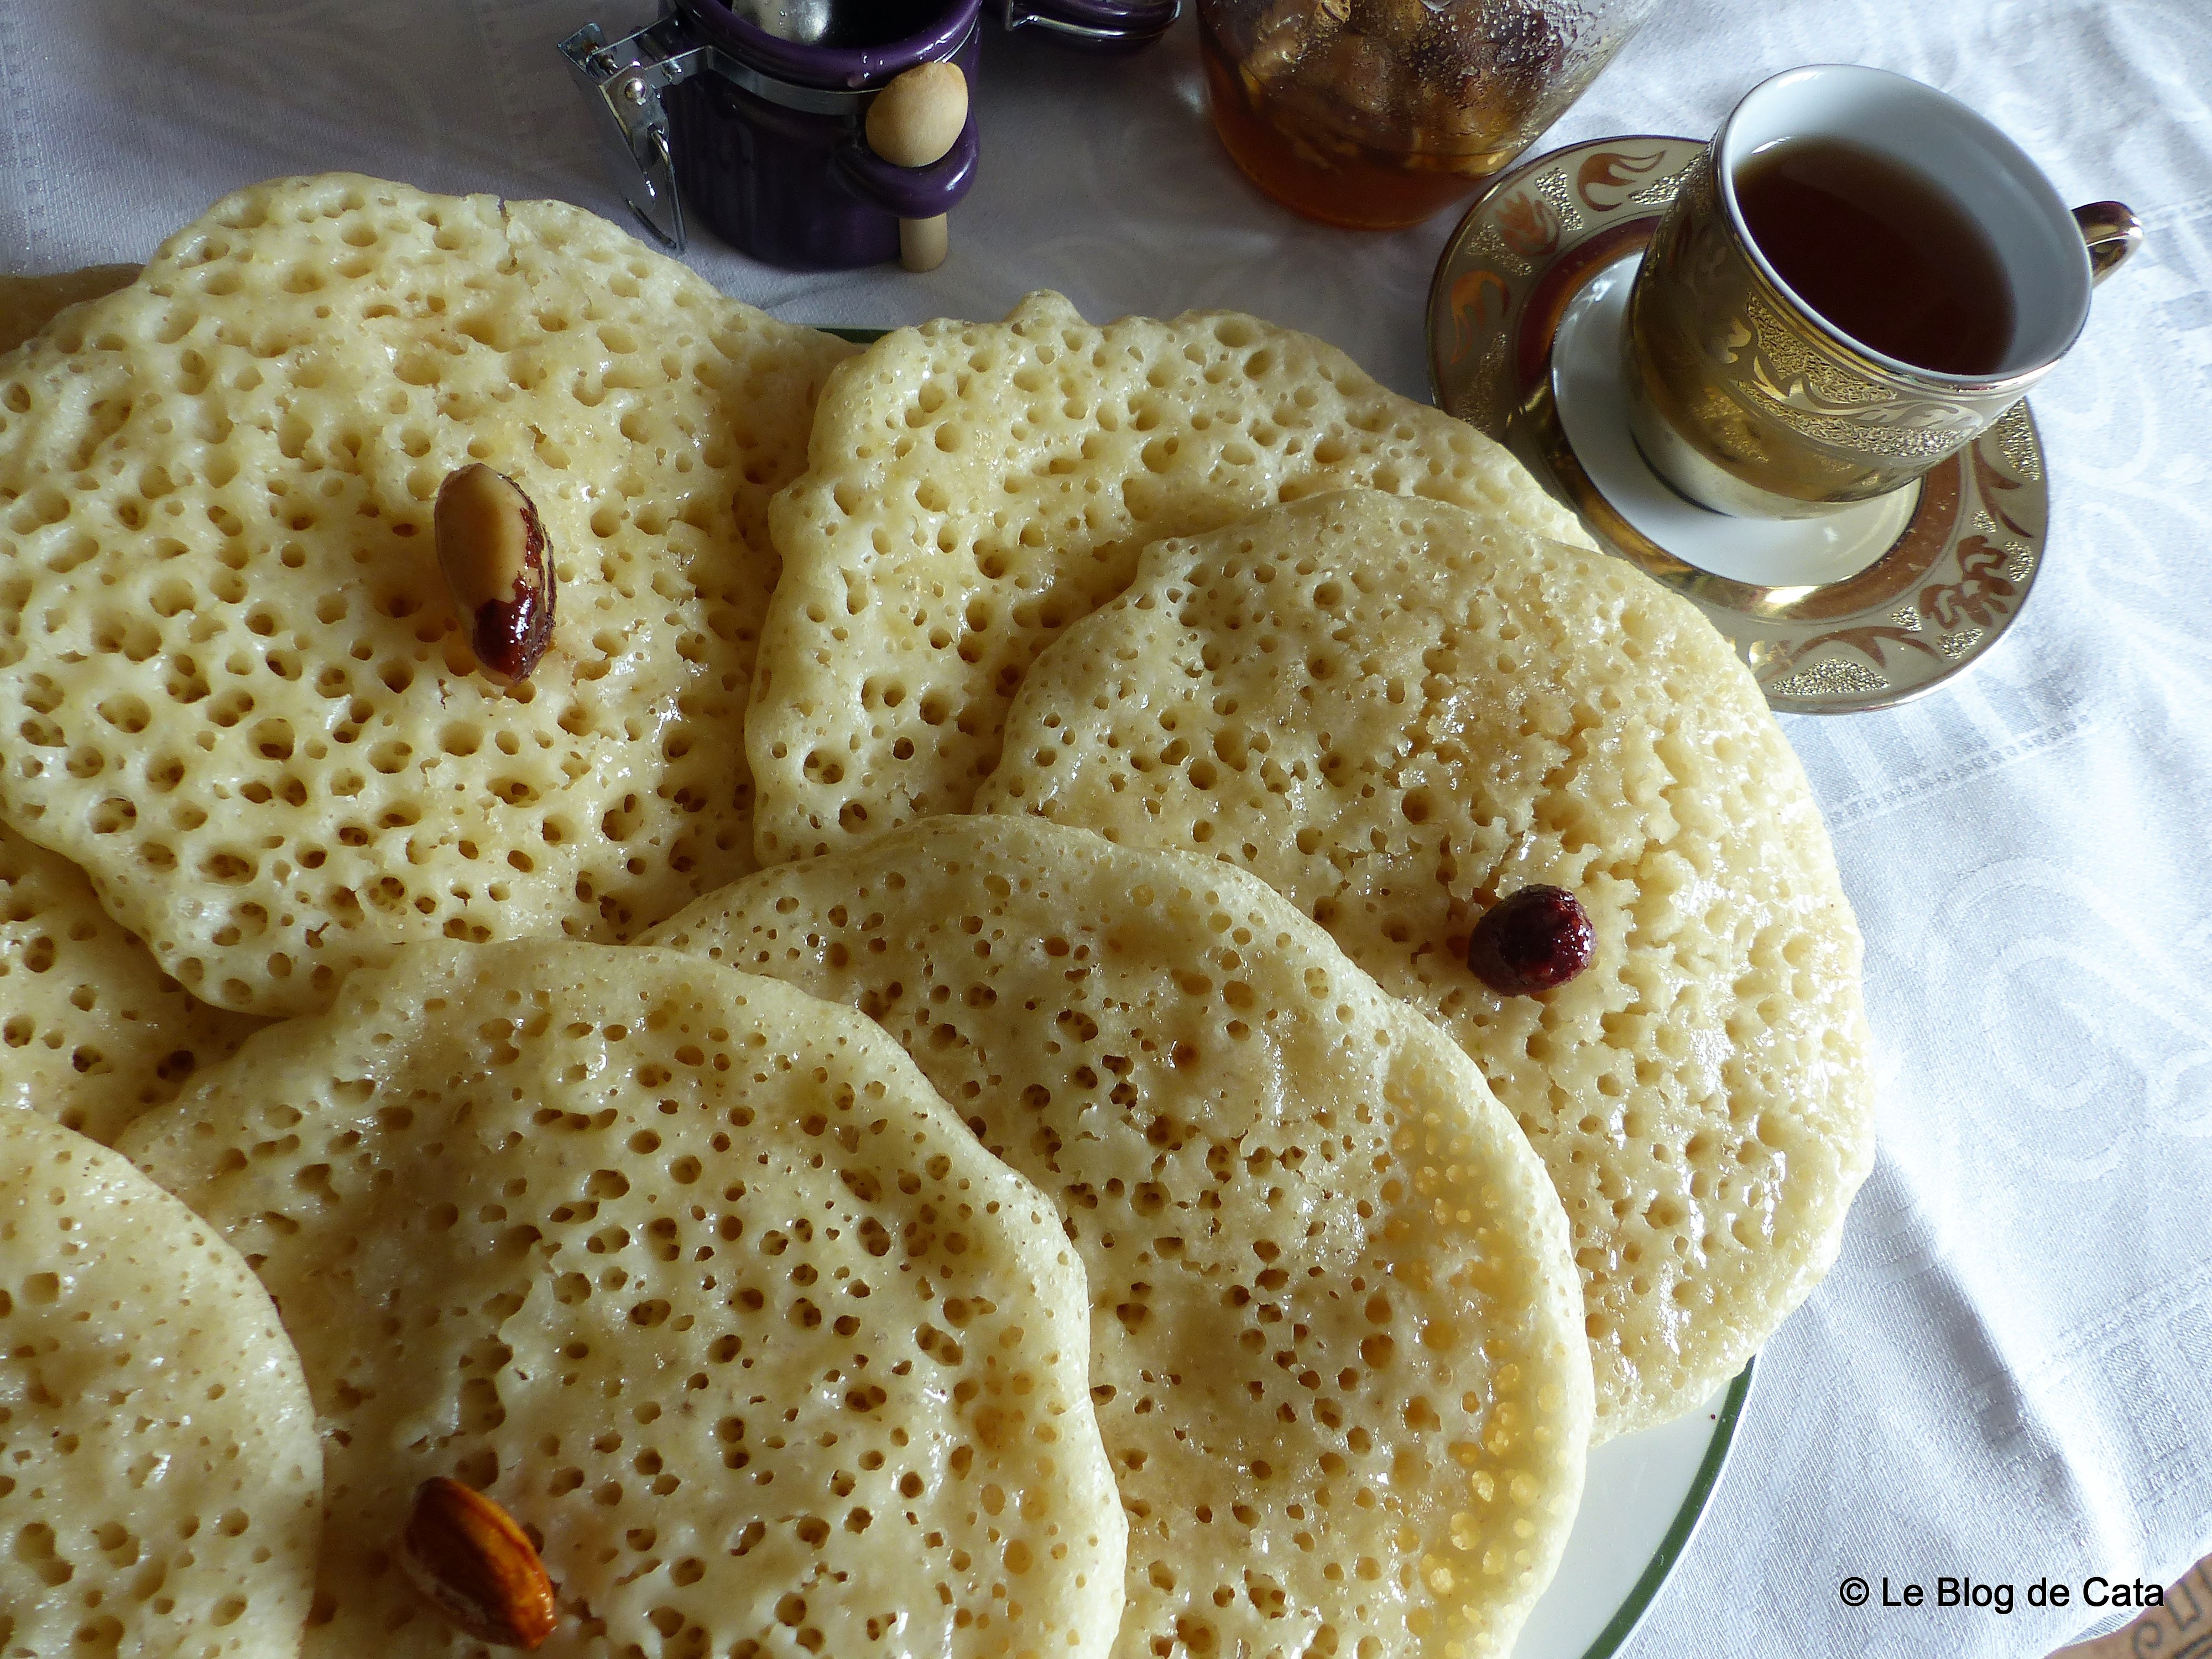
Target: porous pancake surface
[692, 1274]
[92, 1031]
[973, 488]
[1397, 714]
[233, 684]
[161, 1483]
[1336, 1348]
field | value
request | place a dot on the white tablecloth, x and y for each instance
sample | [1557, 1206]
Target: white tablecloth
[2006, 1377]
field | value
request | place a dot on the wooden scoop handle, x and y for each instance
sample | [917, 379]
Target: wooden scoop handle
[912, 122]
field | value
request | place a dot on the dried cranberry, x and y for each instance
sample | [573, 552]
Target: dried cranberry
[1532, 941]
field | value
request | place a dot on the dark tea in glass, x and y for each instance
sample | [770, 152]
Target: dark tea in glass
[1884, 253]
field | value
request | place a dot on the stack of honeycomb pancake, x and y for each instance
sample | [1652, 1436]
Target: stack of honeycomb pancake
[915, 1088]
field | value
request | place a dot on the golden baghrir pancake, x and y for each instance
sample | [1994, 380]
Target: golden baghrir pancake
[973, 488]
[694, 1272]
[1398, 713]
[160, 1477]
[92, 1032]
[695, 1277]
[235, 688]
[1336, 1352]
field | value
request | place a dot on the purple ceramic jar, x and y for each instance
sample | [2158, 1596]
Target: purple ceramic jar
[755, 113]
[767, 143]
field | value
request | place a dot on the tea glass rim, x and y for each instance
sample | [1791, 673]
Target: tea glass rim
[1726, 158]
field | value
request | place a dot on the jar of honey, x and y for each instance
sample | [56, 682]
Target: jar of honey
[1374, 115]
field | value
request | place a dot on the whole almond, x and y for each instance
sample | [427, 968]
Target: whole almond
[491, 545]
[477, 1566]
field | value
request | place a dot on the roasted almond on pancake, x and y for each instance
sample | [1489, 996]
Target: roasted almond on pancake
[1398, 713]
[160, 1482]
[694, 1279]
[973, 488]
[1336, 1341]
[92, 1031]
[236, 688]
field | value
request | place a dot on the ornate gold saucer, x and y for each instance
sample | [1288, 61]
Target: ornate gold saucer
[1858, 611]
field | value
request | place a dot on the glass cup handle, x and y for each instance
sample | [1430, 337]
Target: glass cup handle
[2112, 232]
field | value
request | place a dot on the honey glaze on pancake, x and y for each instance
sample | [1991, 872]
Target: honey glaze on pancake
[238, 693]
[1337, 1354]
[92, 1031]
[973, 488]
[695, 1277]
[161, 1479]
[1398, 713]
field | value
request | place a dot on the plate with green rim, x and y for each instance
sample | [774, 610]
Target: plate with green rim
[1642, 1499]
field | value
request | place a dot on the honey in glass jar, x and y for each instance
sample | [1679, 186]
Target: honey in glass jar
[1374, 115]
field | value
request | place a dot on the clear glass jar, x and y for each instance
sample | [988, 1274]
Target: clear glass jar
[1376, 114]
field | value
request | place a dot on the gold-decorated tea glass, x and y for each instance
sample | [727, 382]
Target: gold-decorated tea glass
[1748, 401]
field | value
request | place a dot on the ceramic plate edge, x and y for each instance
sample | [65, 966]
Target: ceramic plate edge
[1683, 1527]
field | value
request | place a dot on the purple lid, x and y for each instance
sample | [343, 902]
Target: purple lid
[929, 30]
[1121, 16]
[1108, 26]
